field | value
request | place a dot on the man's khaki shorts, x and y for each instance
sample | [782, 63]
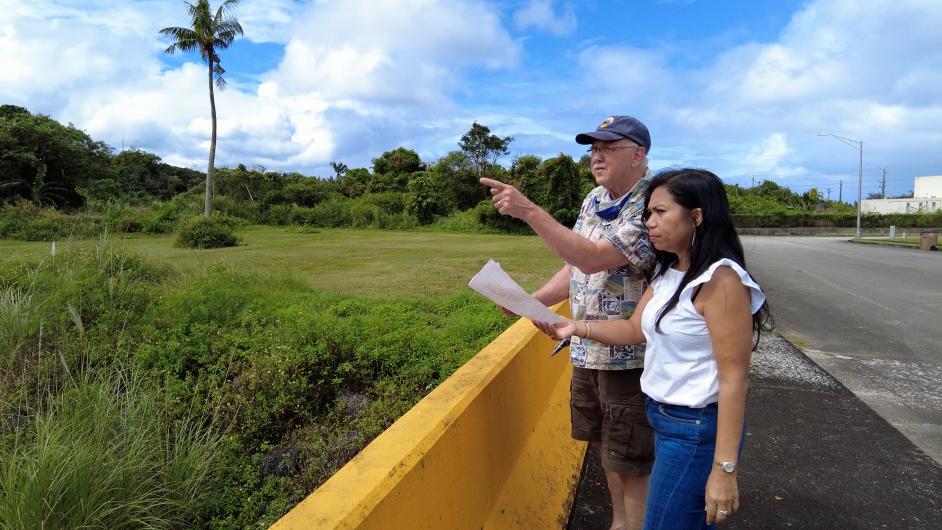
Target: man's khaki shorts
[608, 408]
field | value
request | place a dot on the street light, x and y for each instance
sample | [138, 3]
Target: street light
[859, 145]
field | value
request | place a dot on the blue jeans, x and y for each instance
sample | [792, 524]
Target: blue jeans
[684, 440]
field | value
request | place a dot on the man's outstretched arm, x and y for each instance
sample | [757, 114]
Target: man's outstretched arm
[588, 256]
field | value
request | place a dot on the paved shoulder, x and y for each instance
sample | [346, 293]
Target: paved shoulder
[816, 456]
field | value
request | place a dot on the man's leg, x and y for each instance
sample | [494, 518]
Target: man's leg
[634, 496]
[629, 495]
[627, 444]
[616, 488]
[587, 421]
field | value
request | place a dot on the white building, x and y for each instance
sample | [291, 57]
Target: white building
[927, 197]
[928, 187]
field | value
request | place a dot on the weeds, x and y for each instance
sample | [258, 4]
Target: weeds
[16, 326]
[105, 453]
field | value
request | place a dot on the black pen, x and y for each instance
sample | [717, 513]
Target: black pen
[559, 346]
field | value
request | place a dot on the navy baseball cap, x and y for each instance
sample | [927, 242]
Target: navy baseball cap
[616, 128]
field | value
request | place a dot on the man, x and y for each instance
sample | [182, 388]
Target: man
[608, 262]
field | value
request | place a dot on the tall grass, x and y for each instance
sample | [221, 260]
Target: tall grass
[68, 307]
[15, 325]
[105, 453]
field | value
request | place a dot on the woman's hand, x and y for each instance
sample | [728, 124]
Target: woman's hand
[722, 496]
[560, 330]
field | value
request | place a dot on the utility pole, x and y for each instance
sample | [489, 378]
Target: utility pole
[840, 192]
[859, 145]
[883, 185]
[753, 179]
[829, 193]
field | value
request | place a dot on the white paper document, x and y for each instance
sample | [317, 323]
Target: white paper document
[500, 288]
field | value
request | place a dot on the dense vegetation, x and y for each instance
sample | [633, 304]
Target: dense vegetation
[134, 394]
[56, 181]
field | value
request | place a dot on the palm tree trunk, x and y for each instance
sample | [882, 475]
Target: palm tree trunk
[208, 206]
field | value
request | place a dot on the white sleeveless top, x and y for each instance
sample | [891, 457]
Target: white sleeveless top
[679, 367]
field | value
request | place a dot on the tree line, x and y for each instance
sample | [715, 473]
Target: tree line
[54, 165]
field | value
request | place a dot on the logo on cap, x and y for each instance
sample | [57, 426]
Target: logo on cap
[608, 121]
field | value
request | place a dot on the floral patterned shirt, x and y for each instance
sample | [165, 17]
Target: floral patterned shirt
[614, 293]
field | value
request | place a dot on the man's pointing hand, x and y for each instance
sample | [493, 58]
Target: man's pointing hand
[508, 200]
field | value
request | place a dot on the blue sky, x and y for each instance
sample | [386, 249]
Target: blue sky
[738, 87]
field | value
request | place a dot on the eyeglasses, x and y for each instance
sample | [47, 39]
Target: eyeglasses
[608, 149]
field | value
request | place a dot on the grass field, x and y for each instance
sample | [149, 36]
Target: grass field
[897, 242]
[362, 262]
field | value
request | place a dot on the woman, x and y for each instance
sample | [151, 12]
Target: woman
[697, 317]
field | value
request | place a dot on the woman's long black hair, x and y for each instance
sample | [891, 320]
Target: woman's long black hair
[715, 238]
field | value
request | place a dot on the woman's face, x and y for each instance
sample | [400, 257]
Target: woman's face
[670, 225]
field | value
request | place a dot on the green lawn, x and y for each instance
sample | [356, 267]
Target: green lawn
[912, 241]
[362, 262]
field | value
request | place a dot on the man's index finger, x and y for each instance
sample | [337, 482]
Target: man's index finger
[491, 183]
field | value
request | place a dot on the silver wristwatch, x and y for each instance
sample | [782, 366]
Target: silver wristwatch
[729, 467]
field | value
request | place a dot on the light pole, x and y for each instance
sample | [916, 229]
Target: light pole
[859, 145]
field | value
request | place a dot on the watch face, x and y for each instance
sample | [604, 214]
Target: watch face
[729, 467]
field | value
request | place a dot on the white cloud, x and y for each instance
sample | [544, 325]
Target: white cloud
[268, 20]
[622, 77]
[358, 72]
[769, 154]
[540, 14]
[840, 48]
[868, 72]
[43, 58]
[389, 69]
[393, 52]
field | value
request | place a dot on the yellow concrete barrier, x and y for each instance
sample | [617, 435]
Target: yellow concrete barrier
[489, 448]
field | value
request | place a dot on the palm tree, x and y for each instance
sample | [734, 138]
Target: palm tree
[38, 190]
[339, 168]
[208, 34]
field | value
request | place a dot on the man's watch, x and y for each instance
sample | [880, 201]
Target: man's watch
[729, 467]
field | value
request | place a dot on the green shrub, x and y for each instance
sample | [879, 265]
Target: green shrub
[396, 221]
[276, 215]
[341, 212]
[31, 229]
[105, 453]
[467, 221]
[27, 222]
[390, 201]
[78, 304]
[244, 210]
[328, 214]
[202, 232]
[814, 219]
[287, 361]
[163, 219]
[482, 219]
[488, 216]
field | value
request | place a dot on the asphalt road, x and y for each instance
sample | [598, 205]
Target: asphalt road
[871, 316]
